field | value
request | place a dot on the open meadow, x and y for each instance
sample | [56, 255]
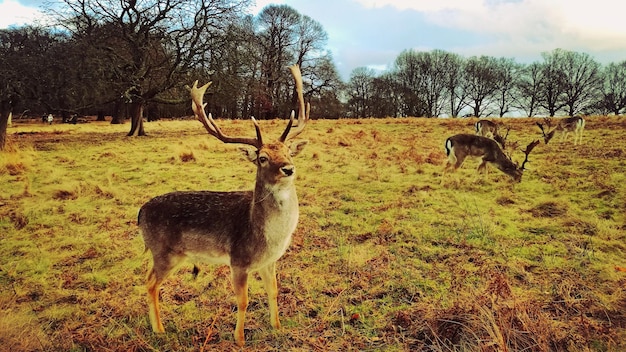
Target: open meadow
[384, 258]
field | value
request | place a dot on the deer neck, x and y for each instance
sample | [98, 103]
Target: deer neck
[275, 206]
[274, 217]
[275, 200]
[508, 167]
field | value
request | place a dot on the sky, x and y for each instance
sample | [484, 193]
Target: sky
[372, 33]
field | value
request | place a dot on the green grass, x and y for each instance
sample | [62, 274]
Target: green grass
[384, 257]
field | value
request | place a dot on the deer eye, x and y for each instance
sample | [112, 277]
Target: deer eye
[263, 159]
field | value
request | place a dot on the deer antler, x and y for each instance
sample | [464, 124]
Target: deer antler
[543, 131]
[502, 140]
[546, 137]
[197, 95]
[303, 116]
[548, 121]
[529, 148]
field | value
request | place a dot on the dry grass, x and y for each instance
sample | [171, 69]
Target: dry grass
[384, 257]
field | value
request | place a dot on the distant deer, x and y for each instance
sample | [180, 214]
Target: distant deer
[574, 124]
[247, 230]
[461, 146]
[486, 128]
[490, 129]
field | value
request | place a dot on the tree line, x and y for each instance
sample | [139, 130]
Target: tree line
[133, 59]
[439, 83]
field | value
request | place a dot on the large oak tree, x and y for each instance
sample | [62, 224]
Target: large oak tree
[147, 47]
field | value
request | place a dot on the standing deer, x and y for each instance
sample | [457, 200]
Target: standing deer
[490, 129]
[574, 124]
[486, 128]
[247, 230]
[460, 146]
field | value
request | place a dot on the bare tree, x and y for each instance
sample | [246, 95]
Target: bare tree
[408, 70]
[386, 98]
[34, 71]
[235, 71]
[360, 92]
[286, 37]
[435, 66]
[318, 70]
[6, 109]
[276, 29]
[553, 82]
[310, 42]
[481, 82]
[11, 86]
[149, 44]
[324, 88]
[455, 88]
[507, 76]
[613, 98]
[528, 87]
[582, 81]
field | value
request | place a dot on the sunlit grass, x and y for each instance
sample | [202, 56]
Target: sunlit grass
[384, 257]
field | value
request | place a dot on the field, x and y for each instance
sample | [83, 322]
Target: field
[385, 257]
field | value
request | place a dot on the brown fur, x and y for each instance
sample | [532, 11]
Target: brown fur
[564, 126]
[461, 146]
[249, 231]
[486, 128]
[574, 124]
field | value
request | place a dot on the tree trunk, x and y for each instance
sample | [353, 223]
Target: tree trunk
[4, 119]
[477, 110]
[5, 114]
[117, 117]
[136, 115]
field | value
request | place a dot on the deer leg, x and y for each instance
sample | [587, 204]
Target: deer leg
[450, 165]
[159, 272]
[268, 275]
[453, 164]
[482, 168]
[153, 302]
[443, 174]
[240, 286]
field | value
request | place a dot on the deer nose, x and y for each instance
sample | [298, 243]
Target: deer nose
[287, 170]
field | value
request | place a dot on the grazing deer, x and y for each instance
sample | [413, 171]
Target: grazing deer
[574, 124]
[247, 230]
[460, 146]
[486, 128]
[490, 129]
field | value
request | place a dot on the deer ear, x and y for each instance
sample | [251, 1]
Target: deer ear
[296, 147]
[250, 153]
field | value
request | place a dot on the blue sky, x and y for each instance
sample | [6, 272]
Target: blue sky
[371, 33]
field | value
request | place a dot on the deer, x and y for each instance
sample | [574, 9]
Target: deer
[461, 146]
[490, 129]
[574, 124]
[246, 230]
[486, 128]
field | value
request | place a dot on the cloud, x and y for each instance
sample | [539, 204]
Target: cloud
[260, 4]
[422, 5]
[521, 28]
[12, 13]
[596, 24]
